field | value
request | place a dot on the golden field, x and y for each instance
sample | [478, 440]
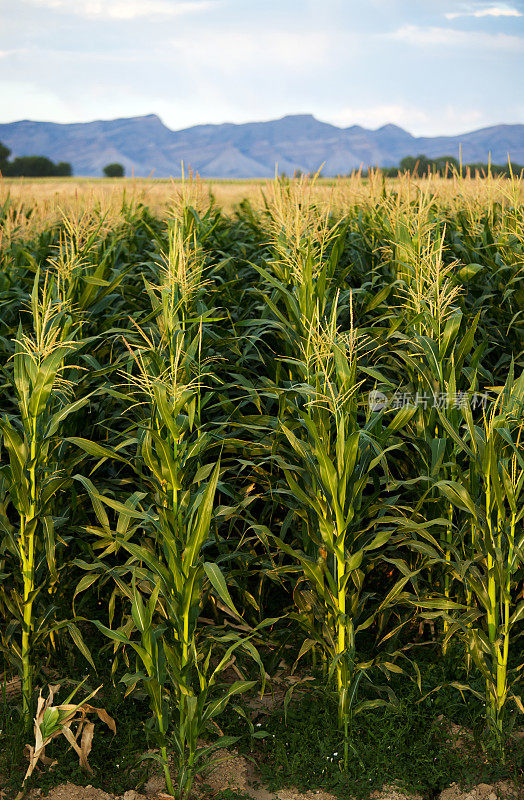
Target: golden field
[52, 197]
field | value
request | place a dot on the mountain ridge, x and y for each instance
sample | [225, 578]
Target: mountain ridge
[145, 145]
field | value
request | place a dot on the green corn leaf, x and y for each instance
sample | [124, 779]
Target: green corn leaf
[218, 583]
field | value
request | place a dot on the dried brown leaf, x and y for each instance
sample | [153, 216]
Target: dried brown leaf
[104, 716]
[85, 744]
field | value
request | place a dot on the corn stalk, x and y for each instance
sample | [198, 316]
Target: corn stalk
[491, 498]
[33, 475]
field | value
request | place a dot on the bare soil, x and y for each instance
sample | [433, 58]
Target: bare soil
[238, 773]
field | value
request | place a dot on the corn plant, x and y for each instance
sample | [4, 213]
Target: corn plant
[168, 577]
[437, 356]
[235, 461]
[83, 265]
[33, 476]
[302, 280]
[332, 470]
[166, 582]
[490, 497]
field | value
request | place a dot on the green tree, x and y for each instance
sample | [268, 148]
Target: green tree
[114, 171]
[418, 165]
[36, 167]
[4, 155]
[63, 168]
[446, 165]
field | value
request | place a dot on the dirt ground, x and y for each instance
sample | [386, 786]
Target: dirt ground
[236, 772]
[483, 791]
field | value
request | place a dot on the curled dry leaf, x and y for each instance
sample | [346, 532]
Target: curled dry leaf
[53, 720]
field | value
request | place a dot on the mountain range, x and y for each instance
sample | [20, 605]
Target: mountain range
[144, 145]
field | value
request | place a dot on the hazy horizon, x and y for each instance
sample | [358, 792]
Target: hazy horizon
[439, 68]
[260, 121]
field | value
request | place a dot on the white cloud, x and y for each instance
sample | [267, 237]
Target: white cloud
[126, 9]
[27, 100]
[17, 51]
[449, 37]
[376, 116]
[492, 11]
[229, 51]
[448, 121]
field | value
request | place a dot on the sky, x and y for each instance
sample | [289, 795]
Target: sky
[431, 66]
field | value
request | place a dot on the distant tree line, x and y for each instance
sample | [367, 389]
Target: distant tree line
[114, 170]
[446, 166]
[31, 166]
[42, 167]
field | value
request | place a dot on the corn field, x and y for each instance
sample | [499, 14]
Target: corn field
[284, 439]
